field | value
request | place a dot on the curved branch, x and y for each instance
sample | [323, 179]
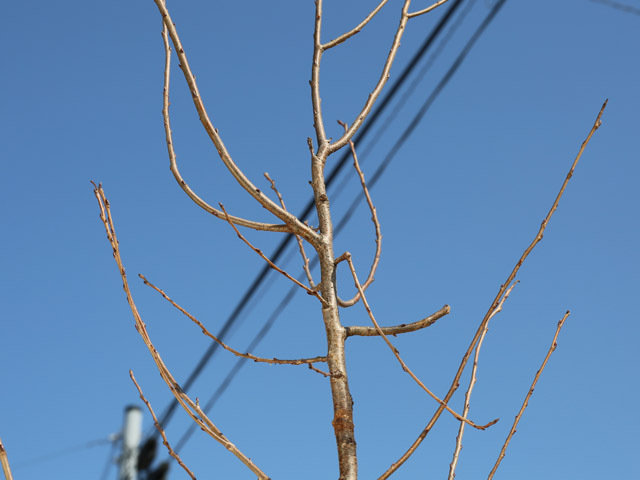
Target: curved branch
[398, 329]
[275, 361]
[376, 224]
[291, 220]
[174, 165]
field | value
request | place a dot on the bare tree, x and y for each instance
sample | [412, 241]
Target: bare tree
[321, 239]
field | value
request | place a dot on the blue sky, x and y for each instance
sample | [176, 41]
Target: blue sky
[461, 200]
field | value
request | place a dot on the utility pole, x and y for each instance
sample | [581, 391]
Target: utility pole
[131, 436]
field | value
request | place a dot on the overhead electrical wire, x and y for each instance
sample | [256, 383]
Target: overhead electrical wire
[364, 130]
[352, 208]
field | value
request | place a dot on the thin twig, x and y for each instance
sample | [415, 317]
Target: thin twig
[4, 460]
[321, 372]
[205, 331]
[305, 259]
[160, 429]
[427, 10]
[191, 407]
[456, 379]
[271, 264]
[398, 329]
[294, 224]
[376, 225]
[472, 382]
[318, 122]
[397, 354]
[357, 29]
[552, 348]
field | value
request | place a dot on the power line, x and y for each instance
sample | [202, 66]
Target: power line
[364, 130]
[352, 208]
[619, 6]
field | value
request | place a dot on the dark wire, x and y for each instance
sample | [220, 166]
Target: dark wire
[110, 462]
[352, 208]
[364, 130]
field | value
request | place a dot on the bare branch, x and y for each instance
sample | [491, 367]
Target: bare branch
[173, 158]
[160, 429]
[398, 329]
[384, 76]
[357, 29]
[205, 331]
[376, 224]
[318, 122]
[456, 379]
[321, 372]
[552, 348]
[397, 354]
[271, 264]
[305, 259]
[291, 220]
[191, 407]
[472, 382]
[427, 10]
[4, 461]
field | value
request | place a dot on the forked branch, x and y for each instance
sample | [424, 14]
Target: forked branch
[165, 442]
[503, 288]
[294, 224]
[271, 264]
[173, 164]
[305, 259]
[192, 408]
[467, 397]
[512, 432]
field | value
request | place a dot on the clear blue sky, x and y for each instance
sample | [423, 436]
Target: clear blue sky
[462, 199]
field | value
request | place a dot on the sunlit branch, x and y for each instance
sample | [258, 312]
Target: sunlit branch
[269, 262]
[305, 259]
[456, 379]
[165, 442]
[4, 461]
[346, 256]
[467, 398]
[376, 225]
[205, 331]
[357, 29]
[357, 330]
[552, 348]
[291, 220]
[427, 10]
[173, 158]
[191, 407]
